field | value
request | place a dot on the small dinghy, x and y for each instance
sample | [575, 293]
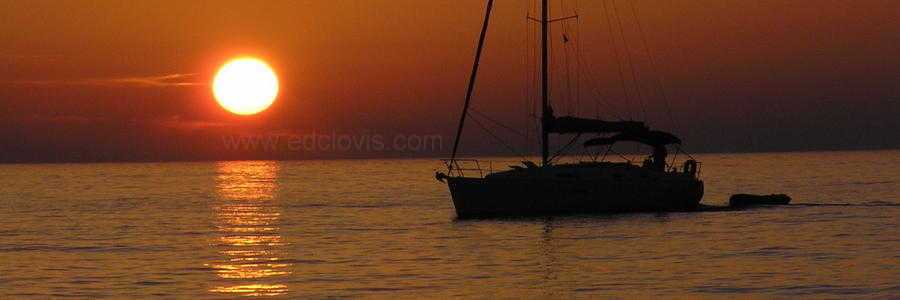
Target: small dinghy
[739, 200]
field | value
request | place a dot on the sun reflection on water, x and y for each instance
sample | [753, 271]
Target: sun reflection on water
[247, 219]
[254, 289]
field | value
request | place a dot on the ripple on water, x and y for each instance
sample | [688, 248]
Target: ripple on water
[321, 229]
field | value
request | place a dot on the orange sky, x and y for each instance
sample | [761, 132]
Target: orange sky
[129, 79]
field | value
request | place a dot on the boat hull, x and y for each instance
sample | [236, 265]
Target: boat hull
[492, 197]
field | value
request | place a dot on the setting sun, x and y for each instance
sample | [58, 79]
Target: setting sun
[245, 86]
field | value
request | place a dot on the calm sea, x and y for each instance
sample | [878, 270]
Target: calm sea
[386, 228]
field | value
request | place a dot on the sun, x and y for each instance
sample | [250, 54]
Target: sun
[245, 86]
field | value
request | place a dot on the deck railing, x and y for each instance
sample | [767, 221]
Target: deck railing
[462, 167]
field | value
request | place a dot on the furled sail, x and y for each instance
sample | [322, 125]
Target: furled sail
[653, 138]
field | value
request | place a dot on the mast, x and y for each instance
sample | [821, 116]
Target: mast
[545, 93]
[465, 111]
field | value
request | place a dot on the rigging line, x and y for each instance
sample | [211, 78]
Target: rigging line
[600, 99]
[608, 149]
[566, 147]
[528, 74]
[581, 155]
[592, 78]
[568, 78]
[659, 81]
[577, 55]
[535, 77]
[551, 62]
[526, 80]
[674, 160]
[497, 139]
[546, 110]
[637, 88]
[592, 155]
[612, 42]
[565, 50]
[462, 117]
[620, 155]
[637, 151]
[599, 96]
[537, 88]
[483, 115]
[685, 152]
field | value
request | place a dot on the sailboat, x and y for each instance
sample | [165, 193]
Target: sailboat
[585, 187]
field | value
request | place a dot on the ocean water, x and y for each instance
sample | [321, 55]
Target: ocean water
[386, 228]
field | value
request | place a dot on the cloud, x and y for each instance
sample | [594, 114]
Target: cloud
[177, 79]
[164, 80]
[178, 122]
